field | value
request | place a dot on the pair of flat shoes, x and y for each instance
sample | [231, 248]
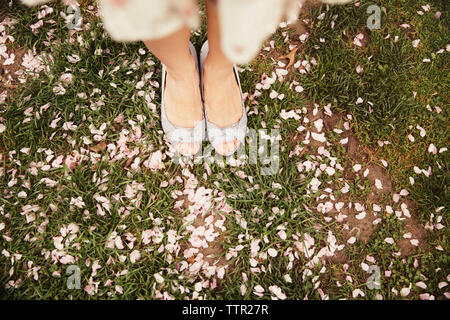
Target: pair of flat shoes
[204, 129]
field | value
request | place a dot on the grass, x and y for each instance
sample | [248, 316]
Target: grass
[395, 80]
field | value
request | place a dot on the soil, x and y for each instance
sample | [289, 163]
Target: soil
[215, 253]
[8, 77]
[362, 229]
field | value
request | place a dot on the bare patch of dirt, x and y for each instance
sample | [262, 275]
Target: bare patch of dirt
[355, 150]
[340, 257]
[8, 76]
[378, 174]
[2, 13]
[417, 231]
[352, 225]
[7, 72]
[308, 5]
[214, 254]
[357, 218]
[361, 229]
[295, 30]
[364, 41]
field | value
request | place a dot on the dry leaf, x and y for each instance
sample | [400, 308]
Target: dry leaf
[99, 147]
[289, 56]
[129, 161]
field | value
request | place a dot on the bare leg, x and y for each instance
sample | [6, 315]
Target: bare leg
[182, 95]
[221, 92]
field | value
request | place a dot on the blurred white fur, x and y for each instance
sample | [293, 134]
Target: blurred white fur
[245, 24]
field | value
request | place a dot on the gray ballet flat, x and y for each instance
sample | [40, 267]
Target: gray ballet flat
[215, 134]
[174, 133]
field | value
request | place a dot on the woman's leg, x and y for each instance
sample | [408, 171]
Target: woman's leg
[182, 95]
[221, 91]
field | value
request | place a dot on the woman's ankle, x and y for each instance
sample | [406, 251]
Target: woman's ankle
[220, 68]
[184, 70]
